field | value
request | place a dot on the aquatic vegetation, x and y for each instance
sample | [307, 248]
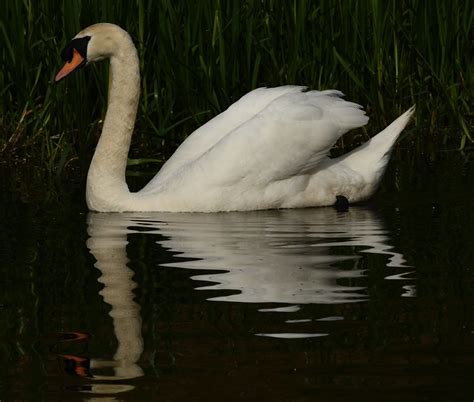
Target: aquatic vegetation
[199, 57]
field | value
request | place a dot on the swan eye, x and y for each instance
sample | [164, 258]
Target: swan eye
[79, 44]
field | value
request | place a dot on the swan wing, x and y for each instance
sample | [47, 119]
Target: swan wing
[215, 129]
[290, 137]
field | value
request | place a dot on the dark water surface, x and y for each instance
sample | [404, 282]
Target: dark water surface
[376, 304]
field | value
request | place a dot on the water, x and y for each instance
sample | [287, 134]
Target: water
[375, 304]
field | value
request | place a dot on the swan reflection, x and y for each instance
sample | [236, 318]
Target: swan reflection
[290, 257]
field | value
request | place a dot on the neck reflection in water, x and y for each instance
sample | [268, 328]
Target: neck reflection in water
[109, 249]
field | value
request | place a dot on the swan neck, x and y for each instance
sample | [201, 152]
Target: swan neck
[107, 189]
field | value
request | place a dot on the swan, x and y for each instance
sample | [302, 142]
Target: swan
[268, 150]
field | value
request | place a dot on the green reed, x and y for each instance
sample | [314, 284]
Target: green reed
[199, 57]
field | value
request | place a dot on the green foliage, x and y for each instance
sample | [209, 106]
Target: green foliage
[199, 57]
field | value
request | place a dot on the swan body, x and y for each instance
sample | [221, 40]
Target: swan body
[268, 150]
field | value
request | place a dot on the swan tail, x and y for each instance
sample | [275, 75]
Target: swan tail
[370, 159]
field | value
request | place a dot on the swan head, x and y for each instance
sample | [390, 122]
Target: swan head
[93, 43]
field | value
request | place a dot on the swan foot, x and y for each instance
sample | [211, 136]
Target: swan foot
[341, 204]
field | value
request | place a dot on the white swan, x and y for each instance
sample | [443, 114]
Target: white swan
[267, 150]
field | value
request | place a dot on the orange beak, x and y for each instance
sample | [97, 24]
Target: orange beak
[76, 62]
